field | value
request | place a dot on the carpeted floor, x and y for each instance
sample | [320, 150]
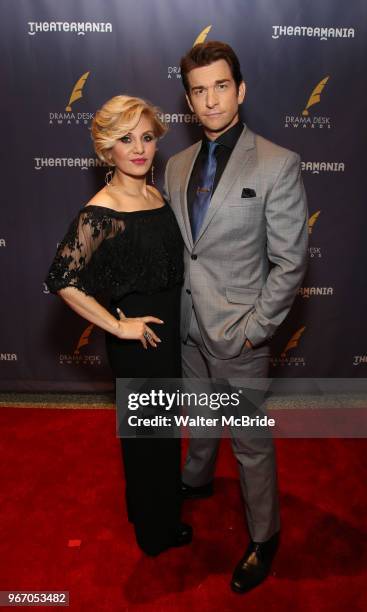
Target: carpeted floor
[63, 524]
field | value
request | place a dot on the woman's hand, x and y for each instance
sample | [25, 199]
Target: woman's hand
[136, 328]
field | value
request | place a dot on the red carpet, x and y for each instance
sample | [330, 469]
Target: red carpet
[61, 480]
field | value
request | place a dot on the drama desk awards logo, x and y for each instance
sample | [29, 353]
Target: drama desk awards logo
[305, 119]
[79, 356]
[314, 251]
[288, 360]
[69, 116]
[174, 72]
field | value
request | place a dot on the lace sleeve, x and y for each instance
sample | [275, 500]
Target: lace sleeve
[77, 262]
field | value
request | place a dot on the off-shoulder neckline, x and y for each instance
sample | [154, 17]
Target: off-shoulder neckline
[126, 212]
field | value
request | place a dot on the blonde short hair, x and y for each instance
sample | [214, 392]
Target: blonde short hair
[117, 117]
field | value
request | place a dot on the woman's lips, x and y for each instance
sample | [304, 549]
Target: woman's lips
[140, 161]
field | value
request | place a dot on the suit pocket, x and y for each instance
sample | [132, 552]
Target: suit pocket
[237, 295]
[245, 202]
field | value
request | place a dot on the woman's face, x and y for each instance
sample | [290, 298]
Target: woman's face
[133, 153]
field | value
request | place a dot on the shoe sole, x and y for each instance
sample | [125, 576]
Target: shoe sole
[246, 590]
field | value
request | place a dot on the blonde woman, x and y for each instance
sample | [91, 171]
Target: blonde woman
[125, 241]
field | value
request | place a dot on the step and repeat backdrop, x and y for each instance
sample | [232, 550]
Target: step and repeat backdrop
[304, 65]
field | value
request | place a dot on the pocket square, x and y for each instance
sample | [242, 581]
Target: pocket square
[248, 193]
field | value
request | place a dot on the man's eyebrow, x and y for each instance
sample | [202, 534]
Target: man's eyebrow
[218, 82]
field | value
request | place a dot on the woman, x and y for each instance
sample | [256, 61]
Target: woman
[126, 241]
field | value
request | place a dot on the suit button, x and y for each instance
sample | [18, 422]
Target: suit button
[188, 291]
[194, 257]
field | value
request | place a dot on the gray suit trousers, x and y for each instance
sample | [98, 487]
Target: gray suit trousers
[255, 456]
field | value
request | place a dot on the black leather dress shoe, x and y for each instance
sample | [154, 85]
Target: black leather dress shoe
[197, 492]
[183, 535]
[255, 565]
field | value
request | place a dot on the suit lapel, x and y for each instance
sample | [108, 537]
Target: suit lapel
[184, 181]
[241, 156]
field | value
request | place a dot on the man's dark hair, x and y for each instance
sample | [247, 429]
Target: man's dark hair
[205, 54]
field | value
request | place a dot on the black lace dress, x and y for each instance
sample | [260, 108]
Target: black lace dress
[137, 259]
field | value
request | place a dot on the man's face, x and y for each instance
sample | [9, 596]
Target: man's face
[214, 97]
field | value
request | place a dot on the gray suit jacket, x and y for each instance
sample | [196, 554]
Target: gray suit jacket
[243, 272]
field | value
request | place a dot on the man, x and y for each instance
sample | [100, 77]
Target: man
[241, 207]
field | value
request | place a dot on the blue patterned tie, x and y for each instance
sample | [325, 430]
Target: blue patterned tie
[204, 192]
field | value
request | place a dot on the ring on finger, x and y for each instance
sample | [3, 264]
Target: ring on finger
[147, 336]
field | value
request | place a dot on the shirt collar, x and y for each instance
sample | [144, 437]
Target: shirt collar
[229, 138]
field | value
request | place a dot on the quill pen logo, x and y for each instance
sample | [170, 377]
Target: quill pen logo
[312, 220]
[293, 342]
[175, 71]
[79, 356]
[67, 116]
[314, 251]
[84, 339]
[77, 92]
[284, 359]
[202, 36]
[305, 120]
[315, 97]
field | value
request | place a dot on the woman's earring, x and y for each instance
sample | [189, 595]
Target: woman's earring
[108, 177]
[152, 174]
